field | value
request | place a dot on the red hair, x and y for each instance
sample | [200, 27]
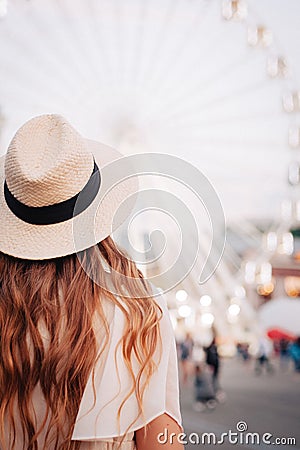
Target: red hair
[57, 298]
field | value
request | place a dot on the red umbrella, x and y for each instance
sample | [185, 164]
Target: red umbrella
[277, 334]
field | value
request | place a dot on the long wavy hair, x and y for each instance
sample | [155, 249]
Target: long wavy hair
[57, 298]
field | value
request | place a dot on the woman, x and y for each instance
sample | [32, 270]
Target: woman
[213, 360]
[186, 353]
[87, 355]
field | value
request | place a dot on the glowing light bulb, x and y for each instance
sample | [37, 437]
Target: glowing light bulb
[250, 271]
[184, 311]
[205, 300]
[265, 275]
[234, 309]
[207, 319]
[181, 295]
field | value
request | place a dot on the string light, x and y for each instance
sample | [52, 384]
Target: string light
[271, 241]
[207, 319]
[286, 245]
[234, 309]
[181, 295]
[184, 311]
[292, 286]
[205, 300]
[233, 312]
[265, 289]
[265, 273]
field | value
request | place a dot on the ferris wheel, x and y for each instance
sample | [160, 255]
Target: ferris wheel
[198, 79]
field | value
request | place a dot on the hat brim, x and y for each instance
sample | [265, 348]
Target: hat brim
[37, 242]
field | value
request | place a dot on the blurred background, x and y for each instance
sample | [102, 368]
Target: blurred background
[215, 83]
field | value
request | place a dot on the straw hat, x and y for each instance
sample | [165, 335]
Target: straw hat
[56, 197]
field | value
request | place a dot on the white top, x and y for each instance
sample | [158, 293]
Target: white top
[97, 417]
[96, 423]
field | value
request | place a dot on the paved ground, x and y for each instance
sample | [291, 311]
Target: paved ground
[268, 403]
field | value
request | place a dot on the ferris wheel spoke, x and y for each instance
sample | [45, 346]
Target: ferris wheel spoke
[231, 256]
[158, 41]
[221, 277]
[229, 97]
[119, 46]
[39, 90]
[139, 42]
[103, 58]
[214, 122]
[190, 64]
[182, 73]
[215, 142]
[175, 58]
[12, 65]
[72, 38]
[188, 93]
[192, 93]
[248, 118]
[31, 89]
[82, 34]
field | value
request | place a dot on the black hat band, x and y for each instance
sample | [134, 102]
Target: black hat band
[59, 212]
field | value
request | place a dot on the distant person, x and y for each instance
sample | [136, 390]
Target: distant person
[284, 354]
[246, 355]
[263, 356]
[276, 348]
[204, 389]
[243, 352]
[239, 350]
[213, 360]
[186, 351]
[294, 351]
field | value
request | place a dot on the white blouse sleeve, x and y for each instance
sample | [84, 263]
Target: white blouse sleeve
[97, 417]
